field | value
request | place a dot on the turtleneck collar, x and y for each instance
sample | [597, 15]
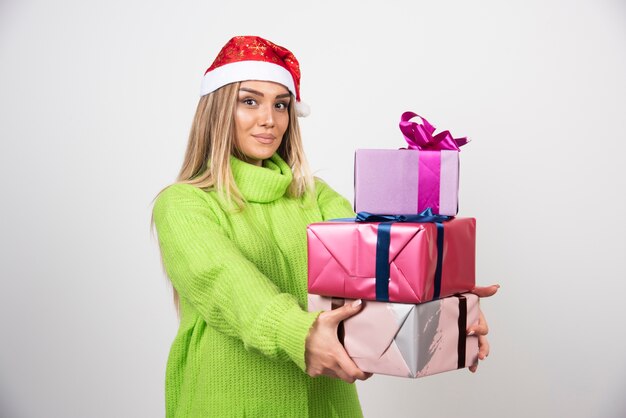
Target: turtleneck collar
[262, 184]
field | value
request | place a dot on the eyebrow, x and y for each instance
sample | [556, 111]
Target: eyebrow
[258, 93]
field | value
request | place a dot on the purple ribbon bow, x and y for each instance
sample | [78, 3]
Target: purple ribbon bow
[420, 135]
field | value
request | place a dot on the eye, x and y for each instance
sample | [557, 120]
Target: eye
[248, 101]
[282, 105]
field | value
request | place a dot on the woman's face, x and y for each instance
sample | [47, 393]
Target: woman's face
[261, 119]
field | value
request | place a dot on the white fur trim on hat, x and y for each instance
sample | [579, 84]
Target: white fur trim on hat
[246, 70]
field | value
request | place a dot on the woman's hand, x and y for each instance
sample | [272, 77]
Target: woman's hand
[324, 353]
[481, 328]
[486, 291]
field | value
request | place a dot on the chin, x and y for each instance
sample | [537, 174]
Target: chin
[261, 155]
[257, 157]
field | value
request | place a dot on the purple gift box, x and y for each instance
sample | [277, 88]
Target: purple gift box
[408, 181]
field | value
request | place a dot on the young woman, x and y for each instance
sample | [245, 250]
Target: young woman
[232, 233]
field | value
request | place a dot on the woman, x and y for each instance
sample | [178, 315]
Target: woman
[232, 233]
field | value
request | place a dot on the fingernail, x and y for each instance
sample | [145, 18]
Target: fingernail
[356, 303]
[470, 333]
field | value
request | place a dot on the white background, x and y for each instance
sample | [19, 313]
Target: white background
[96, 100]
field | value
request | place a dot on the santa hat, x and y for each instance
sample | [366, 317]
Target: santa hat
[254, 58]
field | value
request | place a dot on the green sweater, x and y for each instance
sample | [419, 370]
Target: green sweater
[242, 281]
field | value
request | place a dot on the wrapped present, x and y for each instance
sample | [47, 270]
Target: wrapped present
[410, 180]
[408, 340]
[393, 260]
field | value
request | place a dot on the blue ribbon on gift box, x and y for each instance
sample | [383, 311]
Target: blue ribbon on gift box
[383, 241]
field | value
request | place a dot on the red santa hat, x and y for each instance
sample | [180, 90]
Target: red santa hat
[254, 58]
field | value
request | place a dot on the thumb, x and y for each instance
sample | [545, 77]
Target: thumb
[347, 310]
[486, 291]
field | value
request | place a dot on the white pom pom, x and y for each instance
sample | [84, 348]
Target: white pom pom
[302, 109]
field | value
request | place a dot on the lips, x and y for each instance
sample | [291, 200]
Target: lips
[264, 138]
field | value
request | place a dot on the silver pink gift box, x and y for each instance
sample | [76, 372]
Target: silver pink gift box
[406, 181]
[409, 340]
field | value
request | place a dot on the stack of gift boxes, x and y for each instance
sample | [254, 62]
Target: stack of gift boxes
[406, 255]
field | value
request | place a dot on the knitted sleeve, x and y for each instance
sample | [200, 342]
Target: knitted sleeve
[332, 204]
[231, 294]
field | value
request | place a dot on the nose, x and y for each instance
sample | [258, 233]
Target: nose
[266, 116]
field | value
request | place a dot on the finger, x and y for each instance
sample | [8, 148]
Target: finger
[478, 329]
[473, 368]
[481, 328]
[349, 367]
[346, 311]
[341, 375]
[368, 375]
[485, 291]
[332, 374]
[328, 373]
[483, 347]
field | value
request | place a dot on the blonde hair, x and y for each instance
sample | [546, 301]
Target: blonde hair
[212, 141]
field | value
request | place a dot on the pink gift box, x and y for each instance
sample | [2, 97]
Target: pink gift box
[342, 260]
[409, 340]
[406, 181]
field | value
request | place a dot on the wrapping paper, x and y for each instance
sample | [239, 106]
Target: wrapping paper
[409, 340]
[406, 181]
[342, 260]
